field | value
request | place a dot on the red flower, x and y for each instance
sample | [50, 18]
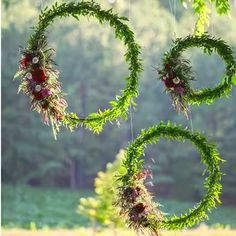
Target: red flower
[38, 75]
[38, 95]
[169, 83]
[43, 93]
[25, 61]
[167, 66]
[139, 208]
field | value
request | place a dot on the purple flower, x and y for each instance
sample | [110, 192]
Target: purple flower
[180, 90]
[46, 92]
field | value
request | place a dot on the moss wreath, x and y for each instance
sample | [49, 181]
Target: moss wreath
[40, 78]
[176, 72]
[133, 198]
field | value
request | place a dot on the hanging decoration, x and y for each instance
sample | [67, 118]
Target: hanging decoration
[40, 81]
[177, 75]
[134, 199]
[40, 78]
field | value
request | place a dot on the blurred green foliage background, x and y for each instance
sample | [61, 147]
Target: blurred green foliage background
[92, 72]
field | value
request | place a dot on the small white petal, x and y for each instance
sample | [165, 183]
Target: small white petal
[164, 78]
[150, 184]
[118, 123]
[28, 75]
[38, 88]
[35, 60]
[176, 80]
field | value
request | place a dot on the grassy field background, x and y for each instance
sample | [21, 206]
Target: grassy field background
[37, 208]
[28, 211]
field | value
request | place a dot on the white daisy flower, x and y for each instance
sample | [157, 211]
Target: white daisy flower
[176, 80]
[35, 60]
[38, 88]
[28, 75]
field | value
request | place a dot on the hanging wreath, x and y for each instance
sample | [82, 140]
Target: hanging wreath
[135, 201]
[40, 78]
[176, 72]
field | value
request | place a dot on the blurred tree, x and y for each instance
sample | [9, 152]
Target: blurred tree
[100, 209]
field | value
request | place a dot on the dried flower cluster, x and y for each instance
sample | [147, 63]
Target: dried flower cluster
[136, 205]
[176, 75]
[40, 83]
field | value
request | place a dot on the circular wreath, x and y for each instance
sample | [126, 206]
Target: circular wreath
[135, 201]
[176, 72]
[40, 78]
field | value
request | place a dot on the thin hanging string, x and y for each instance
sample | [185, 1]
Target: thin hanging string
[131, 120]
[41, 5]
[173, 13]
[175, 28]
[131, 100]
[212, 32]
[190, 119]
[212, 18]
[172, 5]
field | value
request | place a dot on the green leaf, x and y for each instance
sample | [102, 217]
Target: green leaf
[18, 74]
[234, 80]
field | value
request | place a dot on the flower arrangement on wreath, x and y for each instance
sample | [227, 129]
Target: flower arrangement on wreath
[135, 203]
[177, 76]
[40, 83]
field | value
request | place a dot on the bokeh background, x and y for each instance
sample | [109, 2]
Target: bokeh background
[43, 179]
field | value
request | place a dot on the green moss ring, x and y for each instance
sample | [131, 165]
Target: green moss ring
[176, 72]
[133, 198]
[40, 79]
